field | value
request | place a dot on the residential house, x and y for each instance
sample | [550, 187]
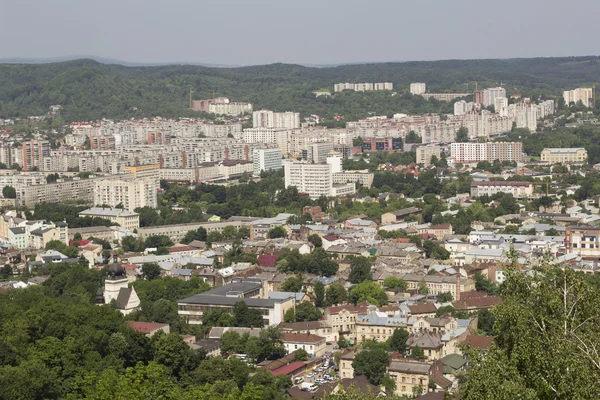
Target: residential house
[314, 345]
[399, 215]
[148, 328]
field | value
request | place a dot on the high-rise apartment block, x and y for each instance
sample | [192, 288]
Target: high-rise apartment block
[462, 107]
[490, 151]
[424, 154]
[585, 95]
[33, 153]
[266, 160]
[418, 88]
[317, 179]
[270, 119]
[489, 95]
[130, 194]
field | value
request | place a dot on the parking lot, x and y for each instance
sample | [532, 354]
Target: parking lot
[321, 374]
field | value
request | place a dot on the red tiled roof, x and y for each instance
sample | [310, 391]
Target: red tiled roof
[145, 327]
[176, 249]
[288, 369]
[267, 260]
[83, 242]
[479, 342]
[301, 337]
[330, 238]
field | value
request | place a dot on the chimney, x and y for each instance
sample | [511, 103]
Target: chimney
[226, 154]
[246, 152]
[457, 288]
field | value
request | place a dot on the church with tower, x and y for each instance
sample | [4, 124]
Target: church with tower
[116, 288]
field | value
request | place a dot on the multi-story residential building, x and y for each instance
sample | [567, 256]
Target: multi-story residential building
[319, 328]
[424, 154]
[156, 138]
[203, 105]
[418, 88]
[519, 190]
[585, 95]
[342, 320]
[278, 137]
[314, 345]
[489, 151]
[125, 218]
[178, 231]
[564, 155]
[75, 189]
[231, 109]
[444, 96]
[223, 130]
[266, 160]
[314, 179]
[36, 234]
[363, 178]
[317, 152]
[583, 241]
[363, 87]
[102, 142]
[490, 95]
[224, 297]
[130, 194]
[389, 144]
[33, 153]
[454, 285]
[410, 374]
[277, 120]
[378, 326]
[462, 107]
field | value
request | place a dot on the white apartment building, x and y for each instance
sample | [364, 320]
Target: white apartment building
[490, 151]
[279, 137]
[462, 107]
[585, 95]
[500, 103]
[490, 95]
[424, 154]
[566, 155]
[314, 179]
[231, 109]
[363, 87]
[265, 160]
[519, 190]
[131, 194]
[418, 88]
[277, 120]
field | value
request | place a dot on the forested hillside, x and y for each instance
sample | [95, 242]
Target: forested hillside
[90, 90]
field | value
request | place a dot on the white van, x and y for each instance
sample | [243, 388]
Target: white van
[298, 380]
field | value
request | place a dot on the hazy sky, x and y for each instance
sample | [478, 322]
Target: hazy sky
[243, 32]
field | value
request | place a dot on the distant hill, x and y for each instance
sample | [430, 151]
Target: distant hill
[88, 89]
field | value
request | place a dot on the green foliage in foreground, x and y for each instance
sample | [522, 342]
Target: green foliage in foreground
[548, 335]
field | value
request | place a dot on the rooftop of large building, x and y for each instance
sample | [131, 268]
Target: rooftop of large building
[107, 212]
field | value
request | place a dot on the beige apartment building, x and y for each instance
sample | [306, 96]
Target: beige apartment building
[125, 218]
[585, 95]
[130, 194]
[424, 154]
[566, 155]
[178, 231]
